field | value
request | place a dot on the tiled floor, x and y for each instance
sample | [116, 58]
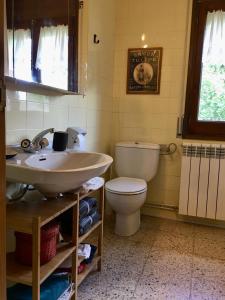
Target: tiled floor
[163, 260]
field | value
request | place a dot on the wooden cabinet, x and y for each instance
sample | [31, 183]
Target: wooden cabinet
[29, 217]
[2, 159]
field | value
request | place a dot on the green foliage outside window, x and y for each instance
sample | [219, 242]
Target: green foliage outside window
[212, 94]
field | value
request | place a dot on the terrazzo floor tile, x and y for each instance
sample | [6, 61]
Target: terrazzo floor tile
[168, 262]
[177, 228]
[211, 233]
[204, 289]
[150, 222]
[145, 236]
[93, 287]
[163, 260]
[209, 248]
[208, 268]
[163, 287]
[119, 293]
[90, 295]
[170, 241]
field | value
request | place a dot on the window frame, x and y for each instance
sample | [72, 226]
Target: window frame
[192, 127]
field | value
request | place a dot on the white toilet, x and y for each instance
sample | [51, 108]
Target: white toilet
[135, 164]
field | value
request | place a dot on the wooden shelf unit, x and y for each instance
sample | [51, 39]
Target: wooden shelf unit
[29, 217]
[23, 274]
[93, 228]
[20, 216]
[88, 269]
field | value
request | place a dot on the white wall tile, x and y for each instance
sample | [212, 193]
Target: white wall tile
[35, 115]
[16, 115]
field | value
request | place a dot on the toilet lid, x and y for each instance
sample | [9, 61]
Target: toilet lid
[126, 185]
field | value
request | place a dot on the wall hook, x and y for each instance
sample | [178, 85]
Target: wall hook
[95, 39]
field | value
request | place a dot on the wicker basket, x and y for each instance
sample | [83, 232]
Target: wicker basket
[49, 238]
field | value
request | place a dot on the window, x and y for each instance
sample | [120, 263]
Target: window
[205, 96]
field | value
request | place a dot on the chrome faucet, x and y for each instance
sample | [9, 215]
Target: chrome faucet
[37, 142]
[37, 139]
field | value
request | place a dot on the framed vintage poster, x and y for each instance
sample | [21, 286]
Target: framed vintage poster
[144, 70]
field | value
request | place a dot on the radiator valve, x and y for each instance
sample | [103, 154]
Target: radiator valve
[168, 149]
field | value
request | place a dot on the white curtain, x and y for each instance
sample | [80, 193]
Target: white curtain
[6, 51]
[214, 39]
[52, 56]
[21, 47]
[10, 52]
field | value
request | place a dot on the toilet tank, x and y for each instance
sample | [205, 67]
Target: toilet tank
[137, 160]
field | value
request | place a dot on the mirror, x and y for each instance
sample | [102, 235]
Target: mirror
[43, 42]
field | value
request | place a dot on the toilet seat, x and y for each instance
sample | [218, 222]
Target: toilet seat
[126, 186]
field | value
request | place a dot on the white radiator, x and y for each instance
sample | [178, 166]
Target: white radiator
[202, 186]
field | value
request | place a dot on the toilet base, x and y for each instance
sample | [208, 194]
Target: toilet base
[127, 225]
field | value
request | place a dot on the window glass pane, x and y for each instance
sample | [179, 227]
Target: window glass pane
[212, 88]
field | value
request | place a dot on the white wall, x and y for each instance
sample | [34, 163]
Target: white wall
[152, 118]
[28, 114]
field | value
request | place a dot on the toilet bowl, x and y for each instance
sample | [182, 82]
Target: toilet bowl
[135, 165]
[126, 196]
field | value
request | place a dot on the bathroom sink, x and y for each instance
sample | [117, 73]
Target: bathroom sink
[56, 172]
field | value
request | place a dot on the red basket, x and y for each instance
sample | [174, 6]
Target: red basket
[49, 238]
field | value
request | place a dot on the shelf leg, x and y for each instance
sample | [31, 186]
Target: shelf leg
[75, 238]
[36, 259]
[100, 232]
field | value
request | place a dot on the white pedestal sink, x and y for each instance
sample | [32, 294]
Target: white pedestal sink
[56, 172]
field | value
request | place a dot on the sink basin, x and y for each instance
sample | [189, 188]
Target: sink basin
[56, 172]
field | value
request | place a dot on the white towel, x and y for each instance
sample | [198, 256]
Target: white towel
[93, 184]
[84, 250]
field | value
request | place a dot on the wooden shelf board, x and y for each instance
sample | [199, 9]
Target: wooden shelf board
[34, 87]
[72, 294]
[83, 237]
[17, 272]
[80, 259]
[87, 270]
[84, 195]
[20, 215]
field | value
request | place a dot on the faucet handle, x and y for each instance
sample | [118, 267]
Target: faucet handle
[44, 143]
[25, 144]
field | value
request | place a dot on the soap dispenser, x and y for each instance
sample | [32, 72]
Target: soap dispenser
[75, 135]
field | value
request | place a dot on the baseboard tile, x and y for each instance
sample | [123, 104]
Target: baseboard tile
[173, 215]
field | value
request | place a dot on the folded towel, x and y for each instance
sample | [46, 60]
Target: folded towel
[67, 294]
[89, 260]
[52, 288]
[86, 206]
[84, 250]
[66, 219]
[87, 222]
[93, 184]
